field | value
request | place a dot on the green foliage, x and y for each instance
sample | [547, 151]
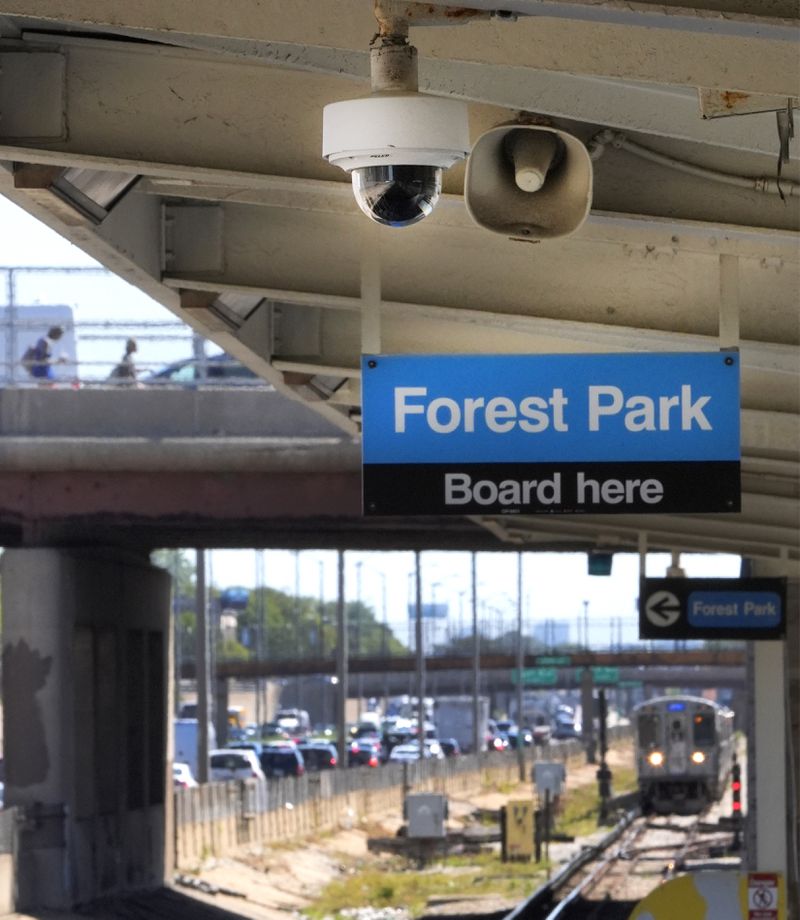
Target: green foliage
[276, 624]
[454, 877]
[582, 805]
[231, 650]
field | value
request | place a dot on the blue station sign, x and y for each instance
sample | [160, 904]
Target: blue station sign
[712, 608]
[528, 434]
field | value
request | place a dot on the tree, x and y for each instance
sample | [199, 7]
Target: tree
[274, 624]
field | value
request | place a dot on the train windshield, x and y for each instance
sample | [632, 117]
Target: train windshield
[703, 729]
[649, 731]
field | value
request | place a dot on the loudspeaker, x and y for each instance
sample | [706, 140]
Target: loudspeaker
[529, 182]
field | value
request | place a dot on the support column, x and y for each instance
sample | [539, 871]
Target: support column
[772, 797]
[86, 688]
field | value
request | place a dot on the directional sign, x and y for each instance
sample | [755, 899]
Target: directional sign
[662, 609]
[543, 434]
[601, 674]
[713, 608]
[537, 677]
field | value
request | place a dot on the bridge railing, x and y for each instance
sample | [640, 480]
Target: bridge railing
[98, 313]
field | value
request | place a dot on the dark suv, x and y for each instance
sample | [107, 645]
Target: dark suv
[281, 760]
[318, 755]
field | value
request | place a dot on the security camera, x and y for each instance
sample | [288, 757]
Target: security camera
[396, 146]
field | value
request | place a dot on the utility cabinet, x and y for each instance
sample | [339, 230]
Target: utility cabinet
[426, 813]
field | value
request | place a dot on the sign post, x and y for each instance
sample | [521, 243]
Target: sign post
[530, 434]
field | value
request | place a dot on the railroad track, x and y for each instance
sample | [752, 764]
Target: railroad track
[613, 877]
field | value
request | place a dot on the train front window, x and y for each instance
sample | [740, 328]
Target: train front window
[703, 730]
[649, 731]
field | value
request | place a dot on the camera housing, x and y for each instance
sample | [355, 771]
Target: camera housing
[396, 147]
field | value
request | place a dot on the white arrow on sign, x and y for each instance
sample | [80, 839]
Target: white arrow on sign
[662, 608]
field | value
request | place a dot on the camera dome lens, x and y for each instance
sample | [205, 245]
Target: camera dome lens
[397, 196]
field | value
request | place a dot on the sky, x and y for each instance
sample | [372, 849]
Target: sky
[95, 296]
[555, 585]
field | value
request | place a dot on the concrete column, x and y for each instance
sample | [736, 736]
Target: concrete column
[772, 737]
[85, 689]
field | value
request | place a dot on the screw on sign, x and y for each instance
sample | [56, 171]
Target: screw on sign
[762, 896]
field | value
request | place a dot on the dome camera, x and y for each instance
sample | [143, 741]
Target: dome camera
[396, 147]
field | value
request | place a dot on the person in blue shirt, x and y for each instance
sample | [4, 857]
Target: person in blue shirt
[38, 359]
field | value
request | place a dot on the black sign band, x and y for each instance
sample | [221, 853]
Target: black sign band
[547, 488]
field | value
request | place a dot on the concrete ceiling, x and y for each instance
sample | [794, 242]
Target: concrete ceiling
[239, 226]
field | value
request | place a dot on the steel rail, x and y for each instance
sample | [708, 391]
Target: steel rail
[542, 897]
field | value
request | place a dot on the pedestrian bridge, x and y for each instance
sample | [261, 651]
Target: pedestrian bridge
[126, 465]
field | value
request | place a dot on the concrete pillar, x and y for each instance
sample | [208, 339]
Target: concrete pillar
[772, 822]
[86, 652]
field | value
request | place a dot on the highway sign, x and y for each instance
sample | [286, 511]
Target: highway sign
[529, 434]
[536, 677]
[601, 674]
[712, 608]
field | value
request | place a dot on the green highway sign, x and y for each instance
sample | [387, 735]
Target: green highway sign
[553, 661]
[601, 674]
[535, 677]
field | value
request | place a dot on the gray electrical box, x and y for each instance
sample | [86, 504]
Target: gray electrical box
[549, 777]
[426, 813]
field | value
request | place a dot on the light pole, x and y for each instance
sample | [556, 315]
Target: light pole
[520, 667]
[385, 616]
[586, 625]
[477, 735]
[359, 566]
[296, 630]
[384, 640]
[321, 637]
[360, 685]
[420, 655]
[433, 627]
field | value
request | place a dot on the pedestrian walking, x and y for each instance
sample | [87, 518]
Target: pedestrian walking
[125, 371]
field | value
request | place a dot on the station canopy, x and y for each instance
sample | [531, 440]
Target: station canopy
[180, 145]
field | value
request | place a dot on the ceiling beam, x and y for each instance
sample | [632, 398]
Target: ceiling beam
[662, 44]
[661, 111]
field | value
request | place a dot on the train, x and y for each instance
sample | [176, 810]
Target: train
[684, 753]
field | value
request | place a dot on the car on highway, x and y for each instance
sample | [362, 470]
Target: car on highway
[279, 760]
[216, 370]
[563, 731]
[255, 746]
[450, 747]
[364, 752]
[227, 764]
[182, 776]
[318, 755]
[406, 753]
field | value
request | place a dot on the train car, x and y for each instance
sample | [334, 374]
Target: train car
[684, 749]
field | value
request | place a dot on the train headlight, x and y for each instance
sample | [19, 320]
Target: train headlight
[698, 757]
[655, 758]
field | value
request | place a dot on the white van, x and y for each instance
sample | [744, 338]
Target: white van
[21, 327]
[186, 742]
[295, 722]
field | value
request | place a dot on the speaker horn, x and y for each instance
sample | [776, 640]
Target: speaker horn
[528, 182]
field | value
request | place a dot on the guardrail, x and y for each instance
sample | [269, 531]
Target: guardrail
[217, 819]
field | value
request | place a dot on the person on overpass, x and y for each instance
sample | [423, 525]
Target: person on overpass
[39, 360]
[125, 371]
